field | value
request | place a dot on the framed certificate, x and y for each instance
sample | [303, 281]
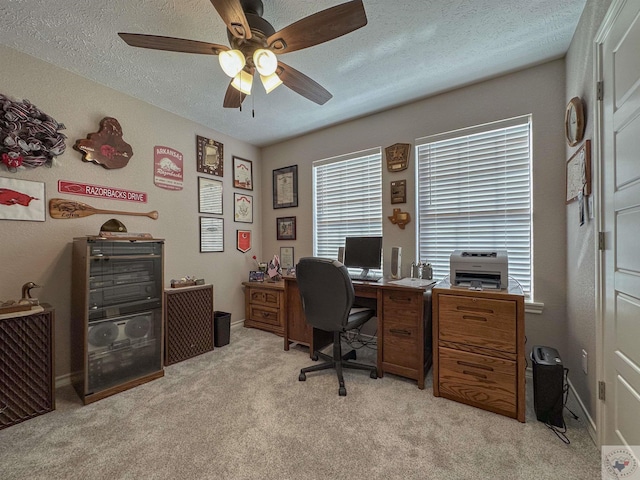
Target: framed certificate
[285, 187]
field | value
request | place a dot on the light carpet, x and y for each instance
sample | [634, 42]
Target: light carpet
[239, 412]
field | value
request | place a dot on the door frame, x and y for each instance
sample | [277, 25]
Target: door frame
[598, 163]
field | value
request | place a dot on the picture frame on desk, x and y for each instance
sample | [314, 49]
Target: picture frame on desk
[256, 276]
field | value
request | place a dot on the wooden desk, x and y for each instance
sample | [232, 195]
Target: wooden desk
[404, 326]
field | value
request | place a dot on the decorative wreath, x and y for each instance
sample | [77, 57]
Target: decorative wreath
[28, 136]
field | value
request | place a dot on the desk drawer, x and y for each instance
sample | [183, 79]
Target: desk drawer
[402, 307]
[262, 314]
[483, 322]
[478, 380]
[270, 298]
[401, 344]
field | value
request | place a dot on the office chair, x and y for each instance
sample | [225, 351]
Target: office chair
[327, 298]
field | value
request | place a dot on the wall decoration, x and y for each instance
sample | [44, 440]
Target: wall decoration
[286, 228]
[28, 136]
[285, 187]
[242, 173]
[579, 172]
[398, 156]
[22, 200]
[243, 240]
[400, 218]
[209, 196]
[243, 207]
[98, 191]
[286, 257]
[574, 121]
[63, 209]
[106, 147]
[399, 191]
[210, 156]
[211, 234]
[167, 168]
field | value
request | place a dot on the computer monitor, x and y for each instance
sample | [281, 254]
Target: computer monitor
[364, 253]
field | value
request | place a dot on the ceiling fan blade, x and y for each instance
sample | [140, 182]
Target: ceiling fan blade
[172, 44]
[319, 27]
[233, 98]
[300, 83]
[232, 14]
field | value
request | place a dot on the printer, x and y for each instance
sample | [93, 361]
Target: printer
[479, 269]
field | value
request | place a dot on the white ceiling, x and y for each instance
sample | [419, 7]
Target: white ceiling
[409, 49]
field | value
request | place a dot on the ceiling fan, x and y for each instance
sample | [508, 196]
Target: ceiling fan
[255, 43]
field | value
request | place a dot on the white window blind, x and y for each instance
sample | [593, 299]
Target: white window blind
[474, 192]
[347, 200]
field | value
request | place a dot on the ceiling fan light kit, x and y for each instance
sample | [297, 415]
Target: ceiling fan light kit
[255, 43]
[231, 61]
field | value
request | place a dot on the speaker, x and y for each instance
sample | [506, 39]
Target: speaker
[341, 254]
[548, 385]
[396, 262]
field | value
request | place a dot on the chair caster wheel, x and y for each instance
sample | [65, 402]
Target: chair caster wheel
[342, 392]
[314, 358]
[374, 374]
[352, 355]
[302, 377]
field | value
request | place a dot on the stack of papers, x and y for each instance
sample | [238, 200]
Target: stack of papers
[414, 282]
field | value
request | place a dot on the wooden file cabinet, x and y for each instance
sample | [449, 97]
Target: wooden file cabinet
[405, 346]
[479, 348]
[264, 306]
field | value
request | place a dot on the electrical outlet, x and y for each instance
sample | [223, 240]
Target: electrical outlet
[584, 361]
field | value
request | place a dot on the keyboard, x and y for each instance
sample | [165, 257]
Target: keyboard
[370, 278]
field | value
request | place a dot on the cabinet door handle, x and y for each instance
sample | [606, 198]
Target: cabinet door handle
[474, 374]
[473, 317]
[398, 331]
[474, 365]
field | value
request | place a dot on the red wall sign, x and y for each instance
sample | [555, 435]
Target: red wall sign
[167, 168]
[87, 190]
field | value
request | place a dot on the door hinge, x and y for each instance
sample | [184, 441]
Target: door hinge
[600, 90]
[601, 390]
[601, 243]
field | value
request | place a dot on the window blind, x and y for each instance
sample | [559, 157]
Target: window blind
[474, 192]
[347, 199]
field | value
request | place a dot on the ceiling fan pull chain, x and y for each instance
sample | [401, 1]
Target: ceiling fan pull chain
[253, 111]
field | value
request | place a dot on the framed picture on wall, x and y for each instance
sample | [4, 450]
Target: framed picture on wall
[22, 200]
[242, 173]
[579, 172]
[243, 207]
[209, 196]
[285, 187]
[286, 257]
[286, 228]
[210, 157]
[211, 234]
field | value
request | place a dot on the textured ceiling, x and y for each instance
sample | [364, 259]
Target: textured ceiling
[408, 50]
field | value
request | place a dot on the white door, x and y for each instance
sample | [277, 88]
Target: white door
[621, 221]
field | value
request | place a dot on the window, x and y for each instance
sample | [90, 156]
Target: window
[474, 192]
[347, 200]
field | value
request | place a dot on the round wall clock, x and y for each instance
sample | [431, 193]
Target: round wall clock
[574, 121]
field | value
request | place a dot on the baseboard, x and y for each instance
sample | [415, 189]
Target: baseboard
[591, 425]
[63, 380]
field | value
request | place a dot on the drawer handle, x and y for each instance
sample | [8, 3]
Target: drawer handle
[400, 332]
[473, 365]
[473, 317]
[400, 299]
[474, 374]
[265, 314]
[474, 309]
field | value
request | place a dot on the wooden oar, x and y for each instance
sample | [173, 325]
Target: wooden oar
[62, 208]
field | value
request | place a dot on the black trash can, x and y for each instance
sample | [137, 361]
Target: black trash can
[221, 328]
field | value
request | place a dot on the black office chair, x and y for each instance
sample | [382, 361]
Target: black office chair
[327, 299]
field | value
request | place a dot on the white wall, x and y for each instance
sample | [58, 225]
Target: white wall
[41, 252]
[539, 90]
[581, 258]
